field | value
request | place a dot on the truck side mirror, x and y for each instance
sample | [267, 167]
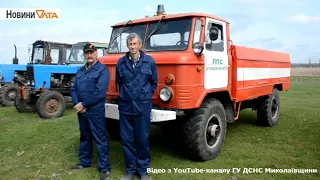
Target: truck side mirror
[213, 33]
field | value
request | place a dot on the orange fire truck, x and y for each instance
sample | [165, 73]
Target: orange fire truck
[204, 80]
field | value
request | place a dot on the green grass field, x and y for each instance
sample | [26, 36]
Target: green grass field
[32, 148]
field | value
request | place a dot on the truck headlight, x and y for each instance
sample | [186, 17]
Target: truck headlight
[165, 94]
[197, 48]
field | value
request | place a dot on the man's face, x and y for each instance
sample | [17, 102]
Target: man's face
[134, 45]
[90, 56]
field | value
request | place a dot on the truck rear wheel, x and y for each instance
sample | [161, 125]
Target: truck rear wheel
[8, 94]
[51, 104]
[268, 110]
[205, 131]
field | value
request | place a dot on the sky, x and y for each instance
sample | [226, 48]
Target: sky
[290, 26]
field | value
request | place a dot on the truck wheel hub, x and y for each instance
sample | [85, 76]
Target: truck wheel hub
[213, 130]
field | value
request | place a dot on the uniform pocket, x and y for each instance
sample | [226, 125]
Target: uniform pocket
[146, 71]
[144, 97]
[125, 77]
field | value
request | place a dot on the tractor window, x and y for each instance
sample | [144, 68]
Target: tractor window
[218, 44]
[119, 45]
[100, 52]
[55, 55]
[76, 55]
[38, 53]
[169, 35]
[67, 51]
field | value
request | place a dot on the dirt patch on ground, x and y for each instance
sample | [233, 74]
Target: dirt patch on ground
[305, 71]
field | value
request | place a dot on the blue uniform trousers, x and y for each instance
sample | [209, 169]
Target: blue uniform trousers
[94, 127]
[135, 127]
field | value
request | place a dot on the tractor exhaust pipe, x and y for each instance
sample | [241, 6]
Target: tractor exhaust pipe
[15, 59]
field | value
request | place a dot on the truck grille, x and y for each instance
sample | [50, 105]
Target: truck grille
[112, 83]
[30, 74]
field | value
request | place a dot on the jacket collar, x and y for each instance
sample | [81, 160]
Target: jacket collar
[94, 66]
[127, 56]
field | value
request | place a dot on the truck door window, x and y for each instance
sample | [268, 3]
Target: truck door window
[216, 45]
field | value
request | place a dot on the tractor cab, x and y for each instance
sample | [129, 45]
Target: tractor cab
[48, 86]
[76, 55]
[49, 52]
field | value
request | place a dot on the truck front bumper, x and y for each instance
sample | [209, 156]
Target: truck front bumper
[112, 112]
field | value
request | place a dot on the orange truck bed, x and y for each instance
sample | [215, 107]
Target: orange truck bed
[256, 71]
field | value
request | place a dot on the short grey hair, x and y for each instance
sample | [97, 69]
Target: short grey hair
[133, 35]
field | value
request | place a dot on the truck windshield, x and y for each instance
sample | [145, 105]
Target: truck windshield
[76, 55]
[119, 45]
[169, 35]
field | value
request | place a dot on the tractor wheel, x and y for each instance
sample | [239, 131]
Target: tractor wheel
[113, 128]
[51, 104]
[205, 131]
[24, 105]
[8, 94]
[268, 110]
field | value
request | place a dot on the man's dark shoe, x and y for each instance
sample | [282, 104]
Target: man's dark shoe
[104, 175]
[127, 177]
[78, 166]
[145, 177]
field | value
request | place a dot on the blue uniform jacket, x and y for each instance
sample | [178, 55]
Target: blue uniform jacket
[90, 87]
[136, 86]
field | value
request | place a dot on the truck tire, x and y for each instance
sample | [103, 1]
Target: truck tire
[50, 105]
[8, 94]
[24, 105]
[205, 131]
[268, 110]
[113, 128]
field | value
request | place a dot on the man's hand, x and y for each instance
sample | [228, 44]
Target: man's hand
[83, 110]
[79, 107]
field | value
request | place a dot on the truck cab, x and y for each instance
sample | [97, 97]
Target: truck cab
[204, 81]
[192, 45]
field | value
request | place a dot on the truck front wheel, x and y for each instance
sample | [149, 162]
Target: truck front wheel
[205, 131]
[51, 104]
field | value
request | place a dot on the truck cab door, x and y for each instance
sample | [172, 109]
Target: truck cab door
[216, 56]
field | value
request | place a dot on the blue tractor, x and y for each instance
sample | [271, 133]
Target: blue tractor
[8, 88]
[14, 75]
[49, 86]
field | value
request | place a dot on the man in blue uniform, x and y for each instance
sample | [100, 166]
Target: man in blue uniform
[137, 79]
[89, 96]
